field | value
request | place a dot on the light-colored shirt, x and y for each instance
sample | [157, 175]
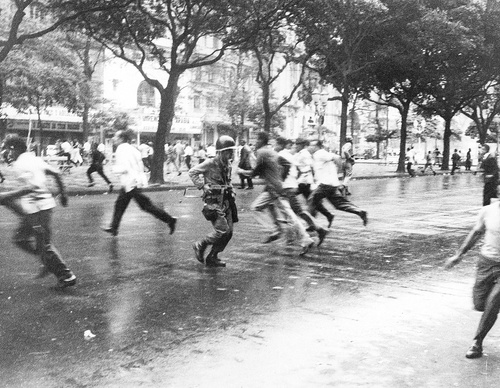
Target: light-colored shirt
[489, 223]
[129, 166]
[30, 170]
[325, 167]
[290, 181]
[304, 162]
[188, 151]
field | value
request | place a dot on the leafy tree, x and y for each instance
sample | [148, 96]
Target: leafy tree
[277, 49]
[342, 36]
[381, 135]
[453, 44]
[49, 15]
[171, 33]
[257, 115]
[46, 75]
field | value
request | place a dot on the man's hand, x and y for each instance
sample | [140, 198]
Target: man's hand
[63, 198]
[452, 261]
[207, 190]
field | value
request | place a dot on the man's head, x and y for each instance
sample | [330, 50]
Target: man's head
[14, 147]
[301, 143]
[281, 143]
[486, 148]
[123, 137]
[315, 145]
[225, 147]
[242, 142]
[262, 139]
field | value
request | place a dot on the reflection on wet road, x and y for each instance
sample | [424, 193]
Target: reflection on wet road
[370, 308]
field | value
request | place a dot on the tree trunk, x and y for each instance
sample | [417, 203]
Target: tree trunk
[266, 108]
[402, 142]
[167, 111]
[446, 143]
[343, 116]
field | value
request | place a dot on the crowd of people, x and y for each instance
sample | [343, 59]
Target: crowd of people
[299, 177]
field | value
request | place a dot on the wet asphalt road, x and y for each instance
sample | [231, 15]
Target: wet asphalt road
[371, 308]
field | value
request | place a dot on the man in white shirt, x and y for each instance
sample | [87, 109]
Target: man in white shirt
[188, 154]
[128, 165]
[34, 202]
[329, 187]
[486, 291]
[290, 187]
[304, 162]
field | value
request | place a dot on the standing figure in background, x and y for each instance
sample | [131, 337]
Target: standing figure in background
[468, 160]
[97, 159]
[188, 154]
[437, 157]
[34, 202]
[244, 164]
[201, 154]
[347, 163]
[455, 160]
[213, 176]
[128, 165]
[489, 166]
[179, 154]
[144, 150]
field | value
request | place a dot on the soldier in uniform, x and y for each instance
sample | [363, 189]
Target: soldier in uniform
[213, 176]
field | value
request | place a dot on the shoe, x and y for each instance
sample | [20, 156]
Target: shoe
[306, 248]
[271, 238]
[199, 251]
[364, 217]
[241, 188]
[215, 263]
[321, 236]
[172, 225]
[330, 220]
[110, 189]
[91, 184]
[249, 188]
[435, 173]
[67, 281]
[111, 231]
[475, 351]
[179, 173]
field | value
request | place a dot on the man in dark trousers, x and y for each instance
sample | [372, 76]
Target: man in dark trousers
[489, 166]
[33, 203]
[96, 165]
[244, 164]
[213, 176]
[455, 159]
[486, 291]
[128, 164]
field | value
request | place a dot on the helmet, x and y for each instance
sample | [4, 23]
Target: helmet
[225, 143]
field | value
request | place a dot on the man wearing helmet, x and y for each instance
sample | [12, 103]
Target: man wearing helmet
[213, 176]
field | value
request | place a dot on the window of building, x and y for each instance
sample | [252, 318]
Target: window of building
[197, 102]
[145, 94]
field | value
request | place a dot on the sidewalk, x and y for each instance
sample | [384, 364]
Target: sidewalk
[77, 183]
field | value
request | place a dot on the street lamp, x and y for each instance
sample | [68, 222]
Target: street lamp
[320, 98]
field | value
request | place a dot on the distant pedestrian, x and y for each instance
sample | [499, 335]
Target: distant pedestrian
[489, 166]
[210, 151]
[468, 160]
[144, 150]
[213, 176]
[170, 158]
[128, 165]
[188, 154]
[97, 159]
[410, 161]
[201, 154]
[2, 178]
[347, 164]
[428, 163]
[455, 160]
[325, 174]
[245, 164]
[486, 291]
[33, 203]
[179, 155]
[437, 157]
